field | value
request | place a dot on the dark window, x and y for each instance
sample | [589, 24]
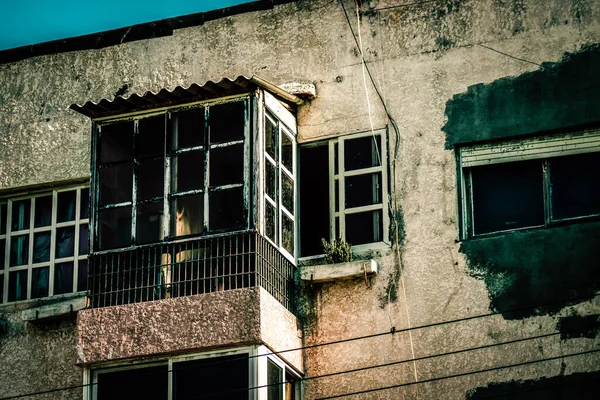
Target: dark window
[150, 383]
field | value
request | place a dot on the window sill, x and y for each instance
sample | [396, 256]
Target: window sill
[49, 307]
[340, 271]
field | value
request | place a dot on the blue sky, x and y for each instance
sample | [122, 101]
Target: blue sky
[27, 22]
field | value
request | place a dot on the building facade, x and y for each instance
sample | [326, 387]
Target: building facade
[164, 194]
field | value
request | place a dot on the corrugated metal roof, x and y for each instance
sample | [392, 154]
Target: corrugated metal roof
[180, 95]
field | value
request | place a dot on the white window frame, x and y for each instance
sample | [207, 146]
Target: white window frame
[264, 356]
[540, 148]
[31, 231]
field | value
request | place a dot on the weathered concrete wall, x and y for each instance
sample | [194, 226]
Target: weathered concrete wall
[448, 70]
[38, 356]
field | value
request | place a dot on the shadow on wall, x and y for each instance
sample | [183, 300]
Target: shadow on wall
[539, 266]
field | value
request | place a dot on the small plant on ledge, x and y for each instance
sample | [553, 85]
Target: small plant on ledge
[338, 251]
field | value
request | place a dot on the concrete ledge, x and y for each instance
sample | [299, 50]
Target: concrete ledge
[333, 272]
[54, 310]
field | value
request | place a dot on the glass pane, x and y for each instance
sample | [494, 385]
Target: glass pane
[150, 140]
[187, 215]
[82, 274]
[363, 190]
[2, 256]
[151, 179]
[227, 122]
[66, 206]
[20, 214]
[43, 211]
[287, 192]
[39, 282]
[114, 227]
[271, 139]
[287, 152]
[287, 233]
[19, 250]
[65, 242]
[270, 222]
[270, 180]
[274, 381]
[190, 128]
[226, 165]
[17, 285]
[3, 215]
[149, 223]
[364, 227]
[116, 142]
[213, 378]
[115, 184]
[84, 211]
[336, 195]
[2, 288]
[575, 185]
[226, 209]
[41, 247]
[507, 196]
[336, 160]
[63, 278]
[151, 383]
[84, 239]
[362, 153]
[290, 387]
[188, 171]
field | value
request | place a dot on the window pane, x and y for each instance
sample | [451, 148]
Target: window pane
[287, 233]
[114, 227]
[17, 285]
[19, 250]
[210, 376]
[85, 204]
[39, 282]
[363, 190]
[2, 288]
[227, 122]
[364, 227]
[507, 196]
[2, 256]
[270, 222]
[43, 211]
[150, 140]
[274, 381]
[65, 242]
[226, 209]
[575, 185]
[116, 142]
[41, 247]
[3, 208]
[66, 206]
[149, 383]
[362, 153]
[271, 139]
[187, 215]
[115, 184]
[287, 192]
[227, 165]
[151, 180]
[188, 171]
[149, 223]
[287, 152]
[82, 274]
[290, 387]
[270, 180]
[20, 214]
[63, 278]
[84, 239]
[190, 128]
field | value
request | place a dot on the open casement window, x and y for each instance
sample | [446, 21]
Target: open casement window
[279, 166]
[239, 374]
[43, 244]
[529, 183]
[344, 192]
[173, 174]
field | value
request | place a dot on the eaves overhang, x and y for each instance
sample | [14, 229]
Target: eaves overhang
[209, 90]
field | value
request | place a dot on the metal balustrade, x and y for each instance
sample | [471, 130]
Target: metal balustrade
[190, 267]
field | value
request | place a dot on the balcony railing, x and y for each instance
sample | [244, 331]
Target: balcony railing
[197, 266]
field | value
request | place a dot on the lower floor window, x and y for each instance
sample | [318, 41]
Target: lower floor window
[248, 373]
